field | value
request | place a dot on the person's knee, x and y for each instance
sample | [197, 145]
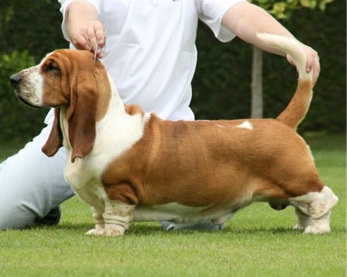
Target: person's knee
[16, 215]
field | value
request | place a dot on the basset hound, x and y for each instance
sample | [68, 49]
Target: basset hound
[131, 165]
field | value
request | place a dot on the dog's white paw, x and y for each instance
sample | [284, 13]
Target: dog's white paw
[298, 227]
[113, 232]
[317, 230]
[106, 232]
[95, 232]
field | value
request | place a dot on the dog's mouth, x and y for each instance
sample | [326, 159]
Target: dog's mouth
[33, 105]
[26, 102]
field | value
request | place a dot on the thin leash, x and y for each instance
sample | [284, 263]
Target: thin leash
[96, 52]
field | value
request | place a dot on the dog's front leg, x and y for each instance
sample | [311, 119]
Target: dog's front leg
[99, 223]
[117, 217]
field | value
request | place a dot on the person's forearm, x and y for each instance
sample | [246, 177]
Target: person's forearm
[238, 20]
[246, 20]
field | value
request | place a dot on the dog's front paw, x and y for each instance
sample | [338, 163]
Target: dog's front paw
[95, 232]
[298, 227]
[98, 229]
[113, 232]
[106, 232]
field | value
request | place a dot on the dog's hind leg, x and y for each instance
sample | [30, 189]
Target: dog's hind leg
[313, 210]
[310, 225]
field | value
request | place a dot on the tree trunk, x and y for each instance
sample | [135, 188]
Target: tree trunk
[257, 84]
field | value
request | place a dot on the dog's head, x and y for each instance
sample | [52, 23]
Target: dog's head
[70, 81]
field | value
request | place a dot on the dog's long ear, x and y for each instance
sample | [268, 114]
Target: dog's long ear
[81, 115]
[55, 138]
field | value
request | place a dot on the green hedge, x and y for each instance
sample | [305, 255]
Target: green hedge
[26, 37]
[222, 82]
[17, 120]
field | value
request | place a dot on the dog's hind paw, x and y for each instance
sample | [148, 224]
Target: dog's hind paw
[298, 227]
[317, 230]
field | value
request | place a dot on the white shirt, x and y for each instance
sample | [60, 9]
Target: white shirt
[150, 48]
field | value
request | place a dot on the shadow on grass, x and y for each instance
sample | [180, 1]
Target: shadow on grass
[139, 229]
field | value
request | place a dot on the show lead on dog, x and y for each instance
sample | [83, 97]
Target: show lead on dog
[151, 55]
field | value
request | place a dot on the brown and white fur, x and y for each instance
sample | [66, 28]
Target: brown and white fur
[131, 165]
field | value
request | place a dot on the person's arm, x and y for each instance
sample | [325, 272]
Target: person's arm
[246, 20]
[83, 27]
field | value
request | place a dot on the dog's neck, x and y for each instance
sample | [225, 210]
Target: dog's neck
[108, 100]
[115, 106]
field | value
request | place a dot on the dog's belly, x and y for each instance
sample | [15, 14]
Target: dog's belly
[181, 214]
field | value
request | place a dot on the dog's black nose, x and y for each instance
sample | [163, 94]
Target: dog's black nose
[15, 80]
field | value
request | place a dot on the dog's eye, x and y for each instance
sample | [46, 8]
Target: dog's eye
[51, 66]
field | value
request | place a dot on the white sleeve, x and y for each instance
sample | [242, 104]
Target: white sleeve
[211, 12]
[65, 3]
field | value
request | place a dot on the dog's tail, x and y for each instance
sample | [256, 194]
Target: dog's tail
[297, 108]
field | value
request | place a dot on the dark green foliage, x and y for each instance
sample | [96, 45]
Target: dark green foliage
[30, 29]
[32, 25]
[16, 118]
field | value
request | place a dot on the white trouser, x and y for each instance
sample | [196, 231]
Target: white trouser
[31, 184]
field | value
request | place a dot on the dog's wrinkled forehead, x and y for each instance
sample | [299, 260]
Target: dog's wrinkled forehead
[67, 62]
[54, 60]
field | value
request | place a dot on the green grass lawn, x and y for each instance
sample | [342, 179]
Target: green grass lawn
[257, 242]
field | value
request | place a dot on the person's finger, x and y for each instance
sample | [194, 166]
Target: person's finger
[91, 36]
[316, 70]
[96, 37]
[81, 42]
[100, 34]
[313, 64]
